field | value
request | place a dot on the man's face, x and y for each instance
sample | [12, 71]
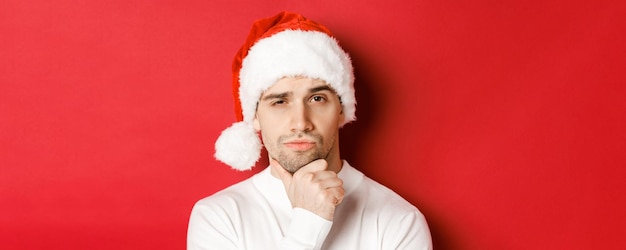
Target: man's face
[299, 120]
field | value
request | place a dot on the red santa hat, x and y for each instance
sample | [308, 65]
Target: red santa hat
[285, 45]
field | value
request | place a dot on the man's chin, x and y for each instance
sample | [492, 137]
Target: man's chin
[293, 165]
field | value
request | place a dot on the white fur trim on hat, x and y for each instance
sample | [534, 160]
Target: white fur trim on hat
[311, 54]
[239, 146]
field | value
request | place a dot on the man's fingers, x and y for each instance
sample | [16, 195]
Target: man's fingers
[330, 182]
[336, 195]
[312, 187]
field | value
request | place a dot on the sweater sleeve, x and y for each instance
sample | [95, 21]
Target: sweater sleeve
[210, 228]
[306, 231]
[407, 232]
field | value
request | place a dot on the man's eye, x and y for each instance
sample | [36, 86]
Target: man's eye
[318, 98]
[278, 102]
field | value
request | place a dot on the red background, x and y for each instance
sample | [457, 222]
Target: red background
[503, 121]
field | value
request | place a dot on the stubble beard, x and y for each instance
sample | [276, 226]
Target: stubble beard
[292, 161]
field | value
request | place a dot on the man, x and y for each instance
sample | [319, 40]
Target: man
[294, 85]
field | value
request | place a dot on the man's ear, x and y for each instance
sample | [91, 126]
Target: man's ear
[256, 124]
[342, 117]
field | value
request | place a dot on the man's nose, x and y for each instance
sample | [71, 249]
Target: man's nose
[301, 118]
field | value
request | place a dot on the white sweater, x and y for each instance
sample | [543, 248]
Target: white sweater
[256, 214]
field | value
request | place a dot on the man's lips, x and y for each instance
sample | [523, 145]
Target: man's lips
[300, 145]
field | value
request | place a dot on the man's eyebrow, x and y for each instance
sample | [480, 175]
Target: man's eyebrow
[286, 94]
[321, 88]
[276, 96]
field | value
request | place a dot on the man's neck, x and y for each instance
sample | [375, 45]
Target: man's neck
[335, 165]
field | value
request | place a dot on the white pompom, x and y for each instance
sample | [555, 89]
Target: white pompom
[238, 146]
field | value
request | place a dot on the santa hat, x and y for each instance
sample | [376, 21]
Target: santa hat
[285, 45]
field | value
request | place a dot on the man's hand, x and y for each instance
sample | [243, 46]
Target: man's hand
[312, 187]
